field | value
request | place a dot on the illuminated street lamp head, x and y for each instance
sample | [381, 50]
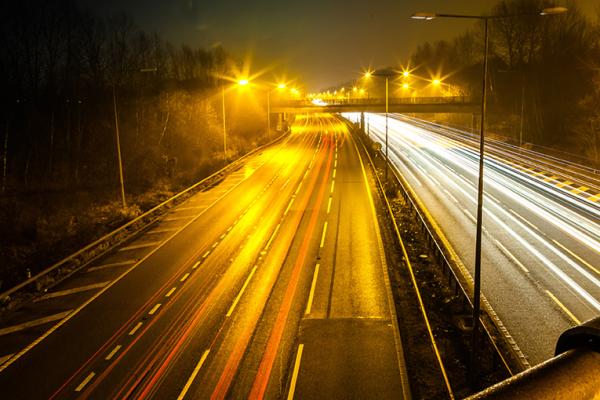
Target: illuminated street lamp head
[553, 10]
[405, 86]
[243, 82]
[423, 16]
[405, 74]
[368, 74]
[281, 86]
[436, 82]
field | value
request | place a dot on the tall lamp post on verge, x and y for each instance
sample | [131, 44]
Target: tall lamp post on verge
[118, 135]
[241, 82]
[387, 74]
[474, 362]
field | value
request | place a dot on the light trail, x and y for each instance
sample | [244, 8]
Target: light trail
[449, 167]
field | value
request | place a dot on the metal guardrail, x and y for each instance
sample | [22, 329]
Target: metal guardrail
[461, 282]
[76, 261]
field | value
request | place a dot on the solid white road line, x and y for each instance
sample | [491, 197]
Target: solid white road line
[295, 373]
[85, 382]
[313, 285]
[113, 352]
[193, 376]
[135, 328]
[67, 292]
[239, 296]
[112, 265]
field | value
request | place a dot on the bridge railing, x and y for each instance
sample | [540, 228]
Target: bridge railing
[376, 101]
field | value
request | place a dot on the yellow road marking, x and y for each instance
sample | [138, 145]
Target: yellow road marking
[196, 265]
[35, 322]
[85, 382]
[550, 178]
[206, 254]
[581, 260]
[113, 352]
[562, 306]
[135, 328]
[272, 237]
[563, 184]
[323, 235]
[67, 292]
[193, 375]
[511, 256]
[139, 246]
[295, 373]
[594, 198]
[5, 358]
[170, 292]
[332, 186]
[112, 265]
[162, 230]
[183, 278]
[154, 309]
[329, 205]
[239, 296]
[312, 290]
[580, 189]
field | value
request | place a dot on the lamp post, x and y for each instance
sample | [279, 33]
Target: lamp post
[474, 362]
[386, 74]
[118, 135]
[241, 82]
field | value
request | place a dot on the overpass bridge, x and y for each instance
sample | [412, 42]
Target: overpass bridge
[455, 104]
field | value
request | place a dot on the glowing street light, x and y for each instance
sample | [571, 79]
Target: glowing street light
[386, 74]
[240, 82]
[405, 74]
[473, 373]
[436, 82]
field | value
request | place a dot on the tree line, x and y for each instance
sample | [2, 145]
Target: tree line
[544, 74]
[59, 67]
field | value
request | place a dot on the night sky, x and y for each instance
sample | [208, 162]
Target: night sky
[321, 43]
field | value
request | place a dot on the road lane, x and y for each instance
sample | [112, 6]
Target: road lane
[540, 245]
[219, 309]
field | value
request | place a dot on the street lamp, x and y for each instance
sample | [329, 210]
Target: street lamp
[118, 134]
[240, 82]
[477, 278]
[386, 74]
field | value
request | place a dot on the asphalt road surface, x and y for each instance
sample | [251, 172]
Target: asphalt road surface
[541, 239]
[272, 284]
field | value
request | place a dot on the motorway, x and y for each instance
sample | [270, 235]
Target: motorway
[272, 284]
[541, 242]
